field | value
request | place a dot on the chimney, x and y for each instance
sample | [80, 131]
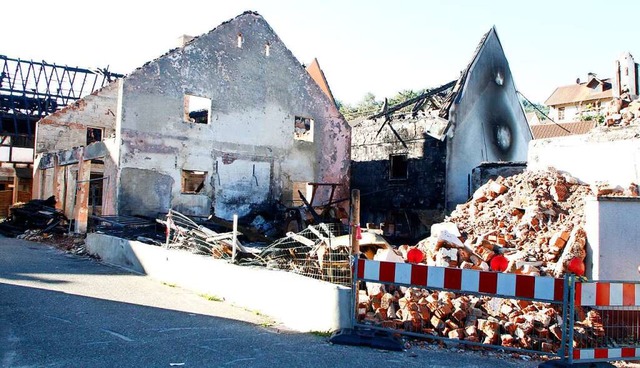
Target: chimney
[184, 39]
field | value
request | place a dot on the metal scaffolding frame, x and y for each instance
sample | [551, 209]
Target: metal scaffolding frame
[30, 90]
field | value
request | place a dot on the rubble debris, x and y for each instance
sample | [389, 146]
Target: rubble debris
[534, 220]
[317, 251]
[127, 227]
[37, 214]
[531, 223]
[184, 233]
[70, 243]
[259, 231]
[509, 323]
[622, 112]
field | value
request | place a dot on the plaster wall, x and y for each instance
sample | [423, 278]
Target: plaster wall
[255, 98]
[488, 122]
[570, 113]
[67, 128]
[612, 230]
[302, 304]
[611, 155]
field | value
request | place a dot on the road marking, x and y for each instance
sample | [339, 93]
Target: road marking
[123, 337]
[58, 318]
[239, 360]
[185, 328]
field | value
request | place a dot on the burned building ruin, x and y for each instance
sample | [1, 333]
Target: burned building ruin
[229, 122]
[413, 162]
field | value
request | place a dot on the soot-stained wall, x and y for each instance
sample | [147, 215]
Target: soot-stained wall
[256, 88]
[410, 204]
[487, 120]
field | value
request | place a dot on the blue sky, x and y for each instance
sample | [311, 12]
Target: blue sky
[363, 46]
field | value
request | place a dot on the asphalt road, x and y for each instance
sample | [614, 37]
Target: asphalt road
[62, 310]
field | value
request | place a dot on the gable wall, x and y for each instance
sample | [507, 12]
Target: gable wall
[67, 128]
[247, 149]
[488, 122]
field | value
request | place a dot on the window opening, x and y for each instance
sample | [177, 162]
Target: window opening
[398, 167]
[240, 40]
[561, 113]
[95, 190]
[94, 135]
[196, 109]
[303, 129]
[193, 181]
[267, 49]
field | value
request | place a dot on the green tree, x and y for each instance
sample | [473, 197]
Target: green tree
[539, 109]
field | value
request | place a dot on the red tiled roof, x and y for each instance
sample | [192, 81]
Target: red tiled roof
[550, 130]
[578, 92]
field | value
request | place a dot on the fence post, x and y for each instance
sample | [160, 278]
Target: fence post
[571, 320]
[355, 251]
[168, 231]
[355, 221]
[566, 301]
[235, 237]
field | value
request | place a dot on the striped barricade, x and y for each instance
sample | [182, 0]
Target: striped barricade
[422, 310]
[612, 311]
[507, 285]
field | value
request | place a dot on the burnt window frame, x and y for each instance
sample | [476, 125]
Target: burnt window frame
[393, 157]
[96, 187]
[187, 111]
[91, 129]
[183, 181]
[307, 136]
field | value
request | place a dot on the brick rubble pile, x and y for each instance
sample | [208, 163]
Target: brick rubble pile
[531, 223]
[534, 220]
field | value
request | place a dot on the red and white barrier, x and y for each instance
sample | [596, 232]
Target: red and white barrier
[606, 353]
[607, 294]
[464, 280]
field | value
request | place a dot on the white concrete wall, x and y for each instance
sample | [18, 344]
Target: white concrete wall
[299, 302]
[590, 158]
[612, 234]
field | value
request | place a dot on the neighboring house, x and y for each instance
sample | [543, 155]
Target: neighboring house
[589, 100]
[413, 162]
[29, 91]
[580, 100]
[228, 123]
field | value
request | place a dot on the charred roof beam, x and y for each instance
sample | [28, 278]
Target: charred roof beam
[411, 101]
